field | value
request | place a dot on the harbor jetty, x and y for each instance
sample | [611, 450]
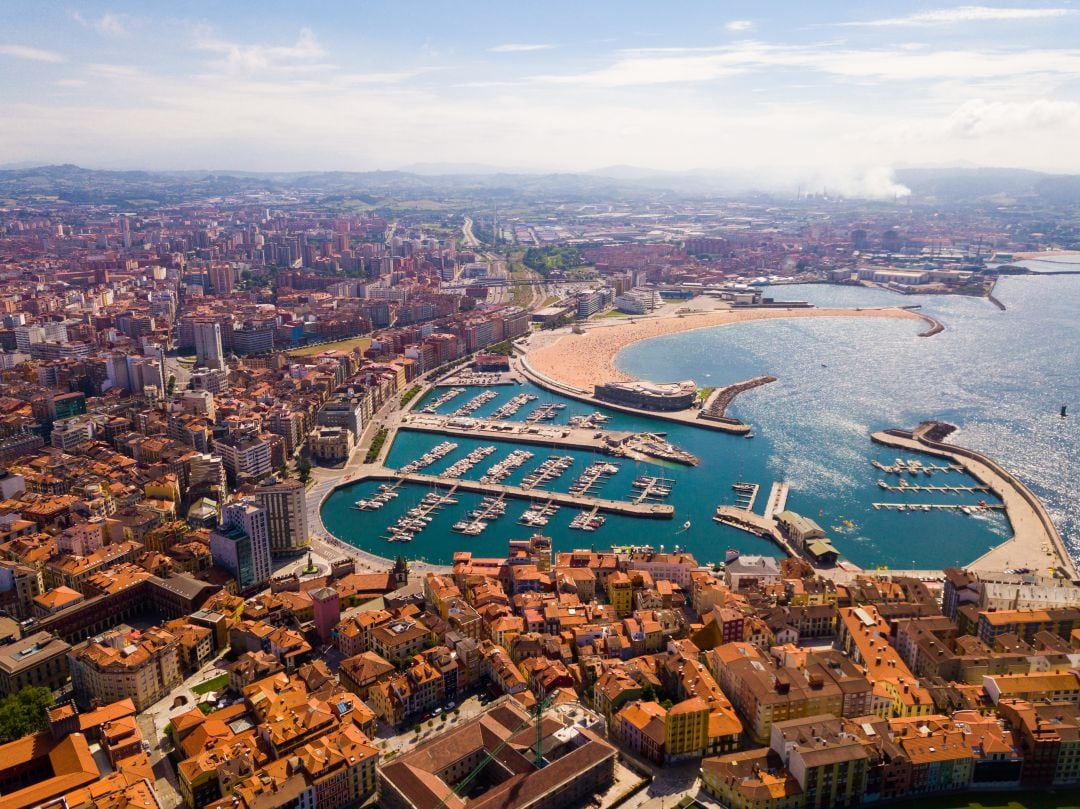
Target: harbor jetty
[755, 524]
[650, 510]
[1036, 542]
[688, 416]
[637, 446]
[777, 501]
[716, 403]
[936, 326]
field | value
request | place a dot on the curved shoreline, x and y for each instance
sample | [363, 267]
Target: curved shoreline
[582, 361]
[690, 416]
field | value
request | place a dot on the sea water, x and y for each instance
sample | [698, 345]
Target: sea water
[1001, 377]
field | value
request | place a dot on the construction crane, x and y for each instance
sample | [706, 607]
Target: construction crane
[542, 704]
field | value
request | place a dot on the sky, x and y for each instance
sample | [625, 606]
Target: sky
[829, 90]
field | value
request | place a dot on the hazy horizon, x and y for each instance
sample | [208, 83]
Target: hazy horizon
[835, 95]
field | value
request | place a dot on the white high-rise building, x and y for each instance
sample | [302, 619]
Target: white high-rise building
[208, 350]
[26, 336]
[246, 456]
[286, 507]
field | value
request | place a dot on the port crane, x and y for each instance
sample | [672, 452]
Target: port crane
[535, 719]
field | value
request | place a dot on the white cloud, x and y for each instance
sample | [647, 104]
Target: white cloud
[653, 66]
[978, 118]
[31, 54]
[109, 23]
[739, 25]
[389, 77]
[521, 47]
[262, 105]
[965, 14]
[240, 58]
[650, 70]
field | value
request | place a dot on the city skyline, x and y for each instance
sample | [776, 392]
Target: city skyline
[833, 95]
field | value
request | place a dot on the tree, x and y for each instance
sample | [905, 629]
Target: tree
[283, 471]
[303, 470]
[23, 713]
[667, 704]
[170, 385]
[648, 693]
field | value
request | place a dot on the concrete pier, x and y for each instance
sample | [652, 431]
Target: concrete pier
[777, 501]
[659, 511]
[1036, 542]
[584, 438]
[764, 527]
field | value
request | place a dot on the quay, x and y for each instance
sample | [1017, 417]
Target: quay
[690, 416]
[478, 379]
[755, 524]
[1036, 542]
[777, 501]
[659, 511]
[584, 438]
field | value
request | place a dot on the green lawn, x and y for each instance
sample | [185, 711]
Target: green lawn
[610, 313]
[213, 684]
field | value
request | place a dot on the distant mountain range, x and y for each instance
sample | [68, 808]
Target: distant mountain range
[464, 183]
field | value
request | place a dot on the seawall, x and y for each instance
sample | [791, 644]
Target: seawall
[1035, 543]
[733, 426]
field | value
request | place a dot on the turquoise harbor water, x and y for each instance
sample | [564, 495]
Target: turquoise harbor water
[1001, 376]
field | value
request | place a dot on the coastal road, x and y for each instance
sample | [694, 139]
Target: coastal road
[324, 544]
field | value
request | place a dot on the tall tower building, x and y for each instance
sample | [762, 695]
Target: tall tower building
[326, 607]
[208, 350]
[286, 508]
[221, 279]
[241, 544]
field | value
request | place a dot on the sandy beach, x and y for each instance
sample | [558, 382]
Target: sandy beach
[585, 360]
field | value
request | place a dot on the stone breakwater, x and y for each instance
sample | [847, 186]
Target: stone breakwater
[1036, 542]
[716, 405]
